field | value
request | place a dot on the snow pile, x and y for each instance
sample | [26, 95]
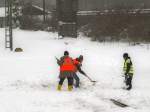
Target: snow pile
[28, 80]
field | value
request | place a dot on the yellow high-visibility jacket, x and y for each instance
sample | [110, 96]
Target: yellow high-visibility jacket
[128, 67]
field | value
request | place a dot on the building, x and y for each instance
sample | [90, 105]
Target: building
[34, 17]
[67, 17]
[35, 11]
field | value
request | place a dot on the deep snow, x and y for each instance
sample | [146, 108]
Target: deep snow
[28, 80]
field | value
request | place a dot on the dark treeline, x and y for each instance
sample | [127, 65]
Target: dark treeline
[116, 27]
[95, 4]
[112, 4]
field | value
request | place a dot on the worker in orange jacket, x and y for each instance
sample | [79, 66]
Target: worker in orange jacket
[66, 70]
[78, 63]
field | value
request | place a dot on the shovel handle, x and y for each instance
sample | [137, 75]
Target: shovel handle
[90, 78]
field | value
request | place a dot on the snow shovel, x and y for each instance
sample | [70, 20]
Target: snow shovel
[91, 79]
[119, 103]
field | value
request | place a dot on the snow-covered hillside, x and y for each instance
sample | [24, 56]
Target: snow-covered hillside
[28, 80]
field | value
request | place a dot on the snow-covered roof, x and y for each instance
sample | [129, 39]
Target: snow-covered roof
[87, 12]
[2, 11]
[123, 11]
[40, 8]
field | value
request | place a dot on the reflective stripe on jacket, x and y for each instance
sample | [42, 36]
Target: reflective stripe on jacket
[67, 64]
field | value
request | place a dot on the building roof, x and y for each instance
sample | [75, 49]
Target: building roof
[40, 8]
[2, 11]
[113, 11]
[33, 10]
[36, 10]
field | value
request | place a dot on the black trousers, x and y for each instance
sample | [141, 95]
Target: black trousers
[128, 81]
[77, 80]
[70, 81]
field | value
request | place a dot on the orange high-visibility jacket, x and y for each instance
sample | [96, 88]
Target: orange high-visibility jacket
[67, 65]
[76, 63]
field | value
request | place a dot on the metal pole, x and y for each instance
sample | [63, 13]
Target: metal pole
[11, 38]
[6, 13]
[8, 25]
[44, 16]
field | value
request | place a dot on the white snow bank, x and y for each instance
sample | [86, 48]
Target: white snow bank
[28, 80]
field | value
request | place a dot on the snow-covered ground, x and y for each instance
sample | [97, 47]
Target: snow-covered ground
[2, 11]
[28, 80]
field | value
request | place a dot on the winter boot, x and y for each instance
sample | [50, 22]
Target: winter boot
[130, 87]
[59, 87]
[70, 88]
